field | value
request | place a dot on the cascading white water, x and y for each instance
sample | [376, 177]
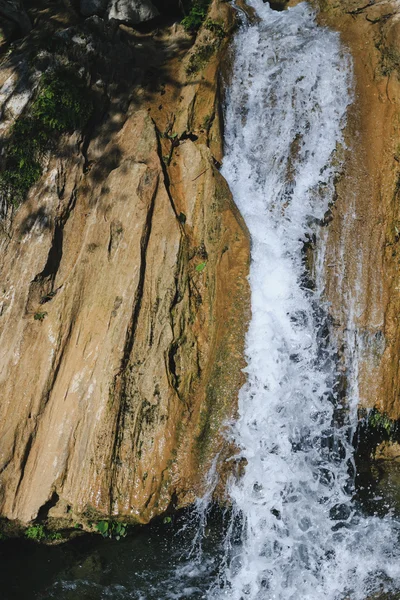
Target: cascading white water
[295, 533]
[301, 535]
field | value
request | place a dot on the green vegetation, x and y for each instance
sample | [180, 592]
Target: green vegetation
[35, 532]
[39, 316]
[38, 533]
[62, 103]
[216, 28]
[61, 106]
[112, 529]
[201, 267]
[374, 428]
[380, 421]
[203, 52]
[196, 15]
[167, 520]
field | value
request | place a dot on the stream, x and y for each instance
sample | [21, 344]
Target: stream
[294, 531]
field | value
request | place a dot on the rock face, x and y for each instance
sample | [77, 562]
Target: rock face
[130, 12]
[363, 236]
[124, 298]
[15, 20]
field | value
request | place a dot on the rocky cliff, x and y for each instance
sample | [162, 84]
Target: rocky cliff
[362, 233]
[124, 299]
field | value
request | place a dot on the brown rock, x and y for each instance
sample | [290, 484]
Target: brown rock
[124, 303]
[387, 451]
[362, 247]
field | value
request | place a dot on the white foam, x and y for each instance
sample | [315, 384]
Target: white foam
[302, 537]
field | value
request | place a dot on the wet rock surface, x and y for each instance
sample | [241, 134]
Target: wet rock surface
[362, 266]
[124, 298]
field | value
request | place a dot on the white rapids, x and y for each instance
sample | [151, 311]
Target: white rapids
[301, 536]
[295, 531]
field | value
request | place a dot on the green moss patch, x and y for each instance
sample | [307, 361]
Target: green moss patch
[197, 12]
[374, 427]
[200, 58]
[381, 423]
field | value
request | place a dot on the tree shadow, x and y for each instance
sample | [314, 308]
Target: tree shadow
[39, 218]
[120, 65]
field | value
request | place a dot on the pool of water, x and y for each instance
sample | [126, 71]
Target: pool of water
[159, 561]
[173, 561]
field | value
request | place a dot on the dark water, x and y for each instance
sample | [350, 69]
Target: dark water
[178, 560]
[160, 561]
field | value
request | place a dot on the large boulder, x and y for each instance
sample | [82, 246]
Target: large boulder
[130, 12]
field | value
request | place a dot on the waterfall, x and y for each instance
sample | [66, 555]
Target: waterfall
[296, 532]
